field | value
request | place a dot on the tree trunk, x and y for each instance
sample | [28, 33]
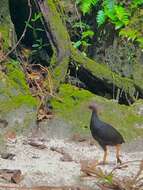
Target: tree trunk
[59, 39]
[96, 76]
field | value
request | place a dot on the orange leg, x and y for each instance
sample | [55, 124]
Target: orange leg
[118, 147]
[105, 155]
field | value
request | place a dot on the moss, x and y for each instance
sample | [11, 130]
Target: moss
[61, 49]
[16, 101]
[74, 108]
[57, 25]
[59, 72]
[4, 29]
[105, 74]
[16, 75]
[14, 91]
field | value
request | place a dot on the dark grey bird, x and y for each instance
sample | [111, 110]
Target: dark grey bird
[105, 134]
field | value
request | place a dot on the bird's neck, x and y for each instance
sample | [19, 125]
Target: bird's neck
[94, 113]
[95, 116]
[94, 123]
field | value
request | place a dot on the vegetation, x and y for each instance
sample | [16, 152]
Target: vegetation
[58, 56]
[76, 101]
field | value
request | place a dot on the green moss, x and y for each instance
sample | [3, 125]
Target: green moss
[104, 73]
[74, 109]
[16, 75]
[4, 29]
[14, 91]
[16, 101]
[61, 53]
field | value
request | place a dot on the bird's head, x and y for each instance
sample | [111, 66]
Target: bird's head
[93, 107]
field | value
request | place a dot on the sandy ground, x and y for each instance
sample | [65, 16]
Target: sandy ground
[45, 166]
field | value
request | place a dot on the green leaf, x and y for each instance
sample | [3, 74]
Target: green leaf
[28, 25]
[109, 4]
[88, 33]
[86, 5]
[39, 29]
[35, 45]
[36, 17]
[81, 25]
[129, 33]
[118, 24]
[122, 14]
[136, 3]
[84, 43]
[77, 44]
[101, 17]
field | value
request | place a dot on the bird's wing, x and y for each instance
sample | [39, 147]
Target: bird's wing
[108, 134]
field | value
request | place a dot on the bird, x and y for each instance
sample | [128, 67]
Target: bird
[105, 134]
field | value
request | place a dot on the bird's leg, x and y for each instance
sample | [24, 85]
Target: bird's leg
[105, 155]
[118, 147]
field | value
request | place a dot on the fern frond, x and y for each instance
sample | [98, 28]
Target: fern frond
[109, 9]
[109, 4]
[122, 14]
[136, 3]
[86, 5]
[101, 17]
[129, 33]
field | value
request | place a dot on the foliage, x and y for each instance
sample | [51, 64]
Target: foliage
[133, 31]
[38, 45]
[121, 14]
[76, 101]
[109, 180]
[86, 5]
[31, 25]
[115, 13]
[84, 39]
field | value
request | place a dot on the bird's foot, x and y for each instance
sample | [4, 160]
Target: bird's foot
[119, 161]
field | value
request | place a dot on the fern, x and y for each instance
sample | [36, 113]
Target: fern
[109, 9]
[87, 33]
[117, 14]
[86, 5]
[101, 17]
[109, 4]
[122, 16]
[136, 3]
[129, 33]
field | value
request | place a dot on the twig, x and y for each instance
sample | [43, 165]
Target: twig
[23, 34]
[123, 164]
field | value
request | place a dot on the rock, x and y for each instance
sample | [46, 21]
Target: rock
[66, 158]
[140, 110]
[13, 176]
[37, 144]
[56, 149]
[16, 177]
[18, 107]
[10, 136]
[9, 156]
[140, 126]
[3, 123]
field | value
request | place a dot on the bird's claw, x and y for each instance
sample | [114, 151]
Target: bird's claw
[119, 161]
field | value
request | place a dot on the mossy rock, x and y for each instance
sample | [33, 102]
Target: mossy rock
[18, 107]
[74, 109]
